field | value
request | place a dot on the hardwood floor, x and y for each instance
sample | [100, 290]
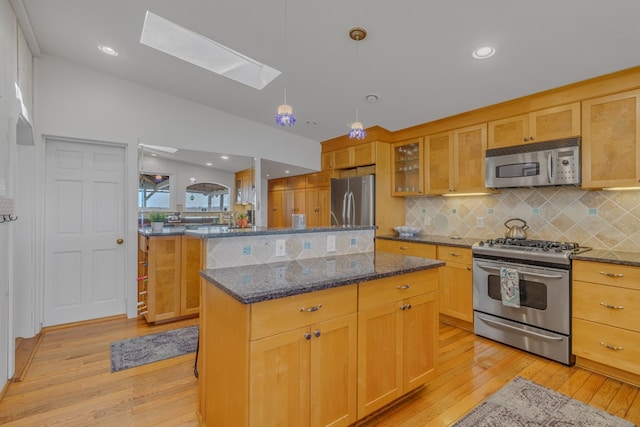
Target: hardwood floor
[69, 383]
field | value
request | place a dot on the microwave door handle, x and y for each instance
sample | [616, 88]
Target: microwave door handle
[550, 178]
[545, 276]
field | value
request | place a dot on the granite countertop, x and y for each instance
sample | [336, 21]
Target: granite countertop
[262, 282]
[464, 242]
[206, 231]
[611, 257]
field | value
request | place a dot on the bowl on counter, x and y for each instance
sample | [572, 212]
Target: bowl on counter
[405, 231]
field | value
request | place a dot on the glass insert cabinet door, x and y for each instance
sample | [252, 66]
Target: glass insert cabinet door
[408, 168]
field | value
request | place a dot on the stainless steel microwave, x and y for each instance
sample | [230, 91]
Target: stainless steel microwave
[534, 165]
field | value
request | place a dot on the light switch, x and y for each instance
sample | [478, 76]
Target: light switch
[280, 248]
[331, 243]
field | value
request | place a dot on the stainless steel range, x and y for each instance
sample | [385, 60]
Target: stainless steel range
[522, 294]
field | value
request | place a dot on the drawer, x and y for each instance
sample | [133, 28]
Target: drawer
[590, 340]
[607, 274]
[406, 248]
[283, 314]
[610, 305]
[454, 254]
[396, 288]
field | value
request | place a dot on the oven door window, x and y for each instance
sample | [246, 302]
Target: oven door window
[532, 294]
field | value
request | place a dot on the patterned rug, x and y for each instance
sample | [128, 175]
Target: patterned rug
[524, 403]
[138, 351]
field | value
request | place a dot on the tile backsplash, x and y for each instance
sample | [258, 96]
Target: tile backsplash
[599, 219]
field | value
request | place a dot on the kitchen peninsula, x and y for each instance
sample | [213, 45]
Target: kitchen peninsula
[290, 343]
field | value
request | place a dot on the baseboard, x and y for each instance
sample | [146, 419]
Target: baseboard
[25, 350]
[608, 371]
[462, 324]
[4, 389]
[83, 322]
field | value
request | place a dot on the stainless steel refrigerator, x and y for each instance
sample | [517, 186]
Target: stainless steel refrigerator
[353, 201]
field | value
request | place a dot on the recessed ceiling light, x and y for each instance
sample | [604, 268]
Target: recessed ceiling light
[224, 157]
[287, 171]
[372, 98]
[107, 50]
[172, 39]
[311, 122]
[484, 52]
[209, 164]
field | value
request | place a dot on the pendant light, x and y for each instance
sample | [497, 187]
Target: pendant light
[284, 117]
[357, 130]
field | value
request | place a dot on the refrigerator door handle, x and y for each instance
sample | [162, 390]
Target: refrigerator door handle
[352, 209]
[344, 208]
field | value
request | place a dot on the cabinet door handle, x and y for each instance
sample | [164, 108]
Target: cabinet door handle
[407, 286]
[615, 307]
[311, 309]
[468, 268]
[612, 274]
[405, 307]
[611, 347]
[403, 248]
[316, 333]
[307, 336]
[456, 254]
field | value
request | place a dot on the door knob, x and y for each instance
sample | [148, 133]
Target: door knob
[120, 241]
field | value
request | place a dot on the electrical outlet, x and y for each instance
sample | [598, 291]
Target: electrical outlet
[480, 222]
[280, 248]
[426, 220]
[331, 243]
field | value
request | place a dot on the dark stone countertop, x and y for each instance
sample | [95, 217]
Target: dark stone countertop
[611, 257]
[464, 242]
[207, 231]
[262, 282]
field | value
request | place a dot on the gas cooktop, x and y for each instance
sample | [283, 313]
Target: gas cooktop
[525, 249]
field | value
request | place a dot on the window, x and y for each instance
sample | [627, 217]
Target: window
[207, 197]
[153, 192]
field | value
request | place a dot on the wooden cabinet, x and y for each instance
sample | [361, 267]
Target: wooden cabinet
[551, 123]
[407, 177]
[456, 288]
[275, 215]
[143, 275]
[610, 135]
[293, 365]
[606, 309]
[318, 206]
[244, 186]
[397, 337]
[455, 161]
[173, 287]
[286, 197]
[349, 157]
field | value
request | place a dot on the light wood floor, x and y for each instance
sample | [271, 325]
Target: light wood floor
[69, 383]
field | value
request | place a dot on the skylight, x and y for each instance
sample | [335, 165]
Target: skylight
[177, 41]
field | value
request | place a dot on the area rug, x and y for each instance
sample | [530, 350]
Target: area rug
[525, 403]
[138, 351]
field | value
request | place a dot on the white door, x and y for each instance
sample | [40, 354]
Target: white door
[84, 274]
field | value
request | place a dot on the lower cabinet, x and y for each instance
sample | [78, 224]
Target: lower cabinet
[605, 327]
[397, 337]
[307, 359]
[173, 282]
[456, 286]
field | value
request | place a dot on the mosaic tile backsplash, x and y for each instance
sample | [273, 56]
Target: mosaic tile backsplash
[251, 250]
[599, 219]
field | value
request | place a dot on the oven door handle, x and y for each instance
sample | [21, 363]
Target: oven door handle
[524, 331]
[546, 276]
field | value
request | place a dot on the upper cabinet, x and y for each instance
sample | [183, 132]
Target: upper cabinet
[455, 161]
[349, 157]
[407, 162]
[244, 186]
[610, 135]
[543, 125]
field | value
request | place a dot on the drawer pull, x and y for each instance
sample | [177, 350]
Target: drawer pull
[407, 286]
[615, 307]
[404, 248]
[307, 336]
[316, 333]
[455, 254]
[612, 274]
[611, 347]
[404, 307]
[311, 309]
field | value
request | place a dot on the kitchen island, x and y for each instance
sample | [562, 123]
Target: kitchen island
[317, 341]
